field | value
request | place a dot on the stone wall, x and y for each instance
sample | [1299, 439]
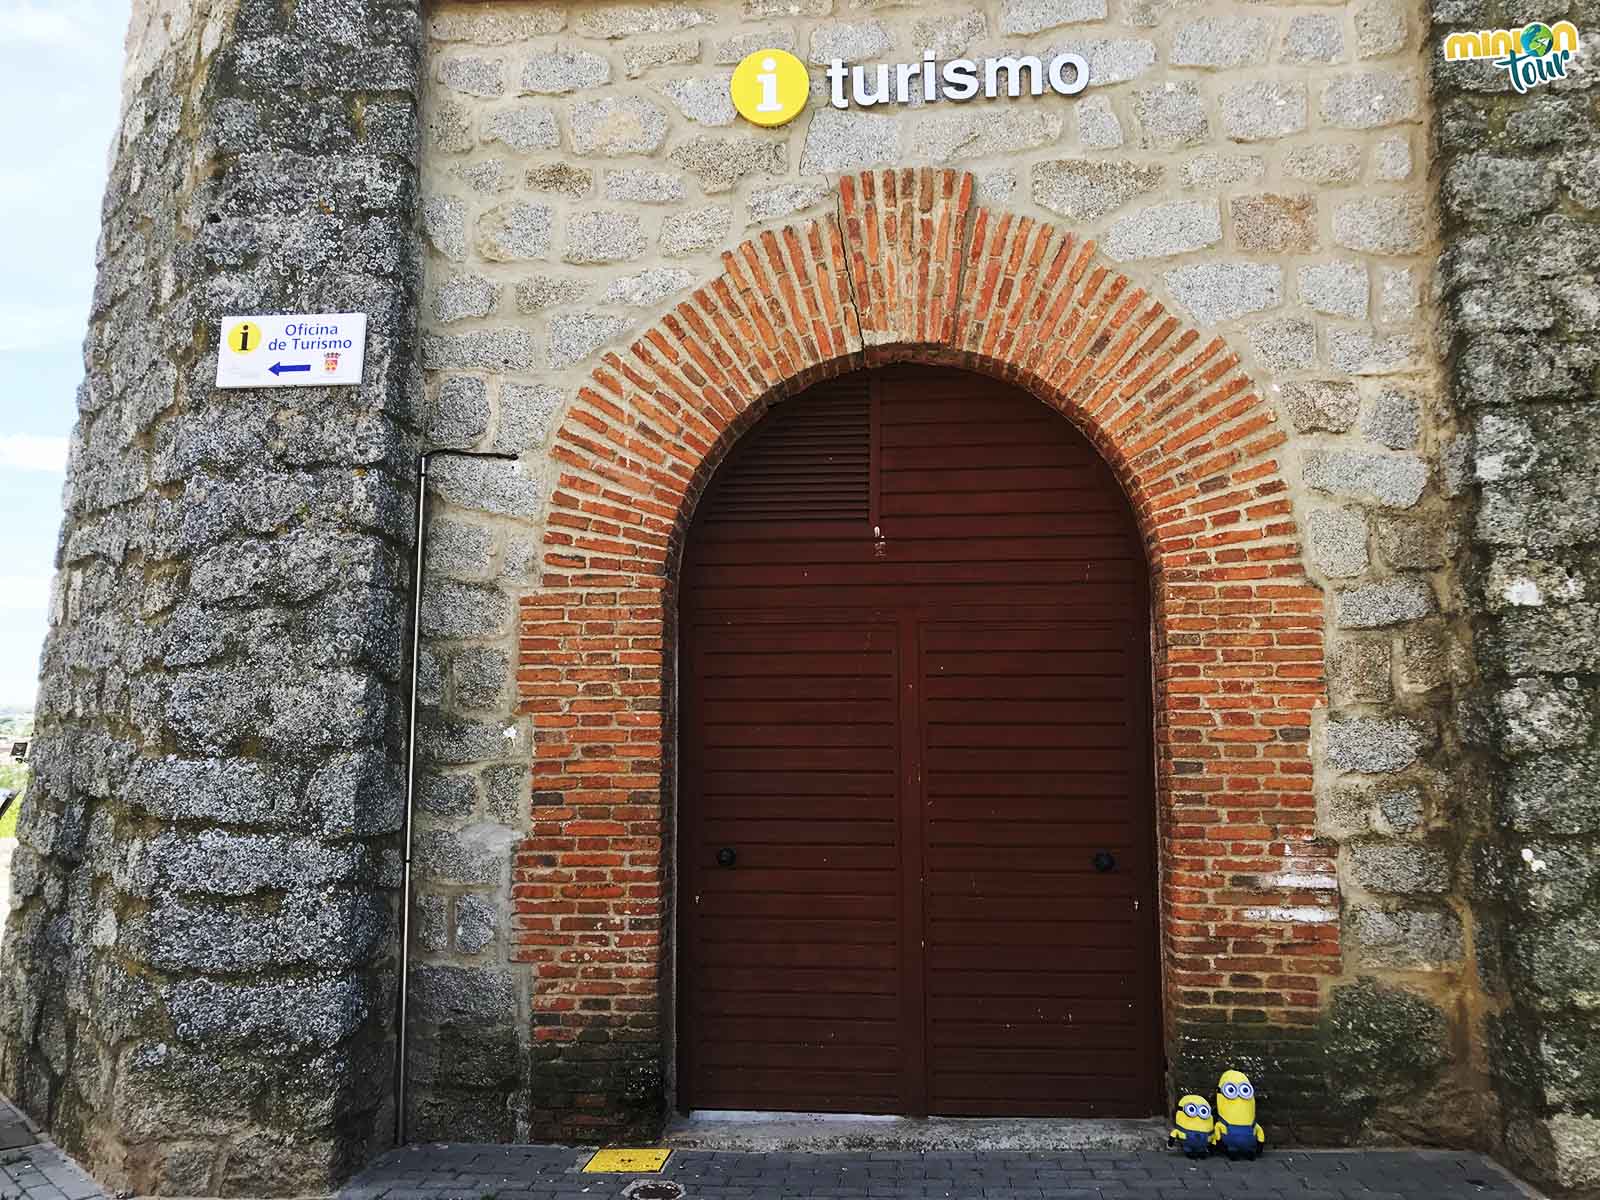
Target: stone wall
[197, 979]
[1520, 190]
[1263, 172]
[197, 983]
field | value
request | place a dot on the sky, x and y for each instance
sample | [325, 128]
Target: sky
[60, 73]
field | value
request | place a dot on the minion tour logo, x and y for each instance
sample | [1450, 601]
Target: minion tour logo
[1532, 55]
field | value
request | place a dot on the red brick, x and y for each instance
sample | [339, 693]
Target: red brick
[1239, 628]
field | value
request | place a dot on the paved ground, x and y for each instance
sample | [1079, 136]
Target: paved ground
[31, 1168]
[466, 1172]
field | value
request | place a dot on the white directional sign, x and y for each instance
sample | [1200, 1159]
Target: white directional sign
[313, 350]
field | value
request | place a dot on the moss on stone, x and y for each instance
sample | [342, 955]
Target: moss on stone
[1381, 1041]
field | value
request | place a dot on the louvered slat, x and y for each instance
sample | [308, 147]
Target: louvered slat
[809, 460]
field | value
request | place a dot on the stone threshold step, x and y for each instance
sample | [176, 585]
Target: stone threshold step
[830, 1132]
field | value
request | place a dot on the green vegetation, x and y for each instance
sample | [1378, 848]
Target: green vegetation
[12, 775]
[14, 723]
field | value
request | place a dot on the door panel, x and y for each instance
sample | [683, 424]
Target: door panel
[915, 704]
[794, 757]
[1005, 832]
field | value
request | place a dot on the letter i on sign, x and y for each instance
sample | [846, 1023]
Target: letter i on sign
[768, 79]
[244, 337]
[769, 87]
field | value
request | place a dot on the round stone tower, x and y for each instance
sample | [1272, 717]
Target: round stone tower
[198, 979]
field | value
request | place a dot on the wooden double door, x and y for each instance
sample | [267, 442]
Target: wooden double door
[915, 855]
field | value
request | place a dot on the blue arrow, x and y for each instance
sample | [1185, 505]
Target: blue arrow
[280, 368]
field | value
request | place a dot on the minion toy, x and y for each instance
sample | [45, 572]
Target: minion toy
[1192, 1130]
[1236, 1132]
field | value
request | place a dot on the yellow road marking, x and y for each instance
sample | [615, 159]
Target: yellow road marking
[627, 1160]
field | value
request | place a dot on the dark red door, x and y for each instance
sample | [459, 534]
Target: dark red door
[916, 850]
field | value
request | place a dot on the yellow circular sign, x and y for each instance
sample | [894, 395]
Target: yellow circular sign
[770, 87]
[244, 337]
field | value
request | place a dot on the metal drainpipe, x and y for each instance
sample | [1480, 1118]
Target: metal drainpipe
[411, 777]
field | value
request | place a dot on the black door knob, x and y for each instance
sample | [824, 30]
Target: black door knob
[1104, 860]
[727, 856]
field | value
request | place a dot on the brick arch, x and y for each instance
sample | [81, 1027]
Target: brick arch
[911, 267]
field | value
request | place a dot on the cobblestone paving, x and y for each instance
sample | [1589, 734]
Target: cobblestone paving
[465, 1172]
[32, 1168]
